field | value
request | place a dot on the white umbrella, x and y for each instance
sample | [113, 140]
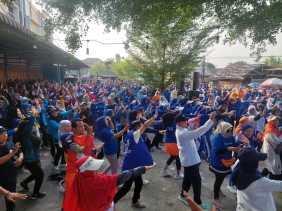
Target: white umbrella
[272, 83]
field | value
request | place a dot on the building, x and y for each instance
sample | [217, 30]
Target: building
[25, 53]
[37, 19]
[240, 74]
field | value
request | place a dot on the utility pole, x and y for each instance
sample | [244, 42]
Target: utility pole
[203, 69]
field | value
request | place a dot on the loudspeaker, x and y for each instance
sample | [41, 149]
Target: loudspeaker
[196, 81]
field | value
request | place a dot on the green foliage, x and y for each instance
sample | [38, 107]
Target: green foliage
[273, 61]
[253, 22]
[102, 69]
[170, 48]
[7, 2]
[126, 69]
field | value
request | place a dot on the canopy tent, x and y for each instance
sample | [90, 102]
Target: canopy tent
[272, 83]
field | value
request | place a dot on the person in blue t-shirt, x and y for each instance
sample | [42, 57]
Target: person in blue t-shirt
[104, 131]
[223, 144]
[170, 144]
[136, 155]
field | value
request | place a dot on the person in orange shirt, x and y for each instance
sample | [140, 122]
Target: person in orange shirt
[84, 138]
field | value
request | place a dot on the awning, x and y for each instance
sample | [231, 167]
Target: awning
[22, 44]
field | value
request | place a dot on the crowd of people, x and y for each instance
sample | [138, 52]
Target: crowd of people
[101, 135]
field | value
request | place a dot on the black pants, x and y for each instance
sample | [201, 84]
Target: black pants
[59, 155]
[126, 188]
[157, 140]
[10, 186]
[45, 136]
[192, 177]
[53, 148]
[37, 174]
[177, 162]
[219, 178]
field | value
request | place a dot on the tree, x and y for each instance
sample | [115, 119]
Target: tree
[102, 69]
[253, 22]
[170, 47]
[273, 61]
[126, 69]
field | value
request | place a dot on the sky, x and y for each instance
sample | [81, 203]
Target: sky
[220, 55]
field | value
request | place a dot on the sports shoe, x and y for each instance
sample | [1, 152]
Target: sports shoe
[138, 205]
[38, 195]
[165, 173]
[231, 189]
[206, 206]
[178, 176]
[146, 182]
[183, 200]
[62, 186]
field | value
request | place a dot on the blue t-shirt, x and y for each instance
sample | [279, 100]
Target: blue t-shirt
[136, 154]
[110, 142]
[170, 134]
[219, 151]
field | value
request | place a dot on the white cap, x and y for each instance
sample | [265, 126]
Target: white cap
[89, 164]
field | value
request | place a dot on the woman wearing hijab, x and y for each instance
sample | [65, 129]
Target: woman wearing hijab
[104, 131]
[254, 192]
[223, 144]
[272, 138]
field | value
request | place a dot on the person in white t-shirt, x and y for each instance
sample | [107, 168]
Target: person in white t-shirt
[254, 192]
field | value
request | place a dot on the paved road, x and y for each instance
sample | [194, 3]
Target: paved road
[160, 195]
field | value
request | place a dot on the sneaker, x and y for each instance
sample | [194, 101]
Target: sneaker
[231, 189]
[178, 176]
[38, 195]
[138, 205]
[146, 182]
[24, 186]
[165, 173]
[62, 186]
[183, 200]
[206, 206]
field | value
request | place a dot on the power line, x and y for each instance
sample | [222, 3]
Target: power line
[102, 43]
[241, 57]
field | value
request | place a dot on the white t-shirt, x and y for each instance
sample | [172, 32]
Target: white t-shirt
[258, 195]
[185, 138]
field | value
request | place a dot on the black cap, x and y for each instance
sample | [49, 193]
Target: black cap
[2, 130]
[180, 118]
[249, 157]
